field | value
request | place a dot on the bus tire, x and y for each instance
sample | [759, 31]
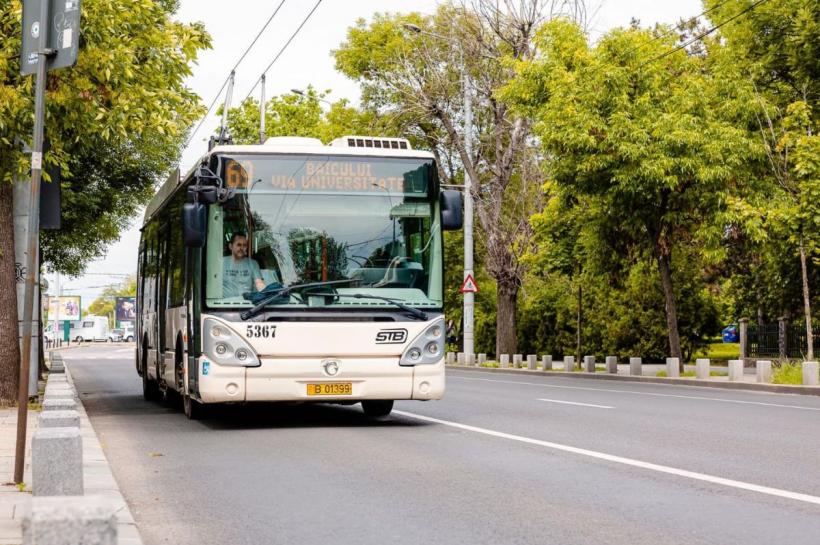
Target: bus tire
[150, 388]
[193, 409]
[375, 408]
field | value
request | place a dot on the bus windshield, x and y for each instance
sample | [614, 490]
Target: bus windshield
[364, 225]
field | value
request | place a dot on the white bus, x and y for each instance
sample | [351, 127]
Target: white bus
[293, 271]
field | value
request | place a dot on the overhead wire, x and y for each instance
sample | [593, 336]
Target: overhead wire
[284, 47]
[232, 70]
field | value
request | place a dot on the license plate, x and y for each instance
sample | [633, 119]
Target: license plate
[330, 389]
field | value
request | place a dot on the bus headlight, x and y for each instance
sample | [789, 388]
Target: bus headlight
[225, 347]
[427, 347]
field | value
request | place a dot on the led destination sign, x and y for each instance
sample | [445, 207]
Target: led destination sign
[328, 175]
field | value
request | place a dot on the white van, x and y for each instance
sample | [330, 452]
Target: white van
[90, 328]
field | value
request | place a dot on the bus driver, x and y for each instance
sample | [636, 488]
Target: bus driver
[240, 273]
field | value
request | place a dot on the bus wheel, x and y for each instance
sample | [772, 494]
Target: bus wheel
[150, 388]
[193, 409]
[377, 408]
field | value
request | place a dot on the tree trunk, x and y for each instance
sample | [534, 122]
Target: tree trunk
[506, 334]
[665, 270]
[9, 342]
[579, 321]
[806, 302]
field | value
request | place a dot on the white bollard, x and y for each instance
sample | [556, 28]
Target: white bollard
[569, 364]
[471, 360]
[546, 363]
[460, 357]
[702, 368]
[451, 358]
[532, 362]
[810, 373]
[589, 364]
[635, 366]
[518, 361]
[673, 367]
[764, 371]
[735, 370]
[70, 519]
[482, 359]
[505, 361]
[58, 419]
[57, 462]
[612, 365]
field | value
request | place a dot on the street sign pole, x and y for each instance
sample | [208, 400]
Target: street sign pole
[33, 240]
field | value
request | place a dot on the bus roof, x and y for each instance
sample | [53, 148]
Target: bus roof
[283, 146]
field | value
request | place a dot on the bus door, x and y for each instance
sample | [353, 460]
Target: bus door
[162, 303]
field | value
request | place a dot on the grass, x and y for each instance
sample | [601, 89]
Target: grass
[788, 373]
[720, 351]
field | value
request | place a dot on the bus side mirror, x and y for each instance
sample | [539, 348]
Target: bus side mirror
[452, 217]
[194, 217]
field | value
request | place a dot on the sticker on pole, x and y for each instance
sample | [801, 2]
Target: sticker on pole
[469, 285]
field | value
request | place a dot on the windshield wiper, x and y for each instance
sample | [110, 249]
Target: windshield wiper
[416, 313]
[251, 312]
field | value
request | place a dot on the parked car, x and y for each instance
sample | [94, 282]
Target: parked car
[731, 334]
[115, 335]
[128, 333]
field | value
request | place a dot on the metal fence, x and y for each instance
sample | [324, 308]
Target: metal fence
[780, 340]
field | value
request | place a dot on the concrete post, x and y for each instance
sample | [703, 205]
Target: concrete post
[460, 357]
[702, 368]
[612, 365]
[735, 370]
[589, 364]
[59, 405]
[532, 362]
[471, 360]
[569, 364]
[482, 359]
[673, 367]
[518, 360]
[59, 419]
[57, 462]
[451, 358]
[505, 361]
[546, 363]
[764, 371]
[59, 394]
[811, 373]
[635, 366]
[70, 519]
[744, 339]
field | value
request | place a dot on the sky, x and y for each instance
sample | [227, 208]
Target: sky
[307, 61]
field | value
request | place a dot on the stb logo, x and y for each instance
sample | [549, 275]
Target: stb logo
[391, 336]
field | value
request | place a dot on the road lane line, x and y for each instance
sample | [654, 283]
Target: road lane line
[780, 493]
[575, 403]
[635, 392]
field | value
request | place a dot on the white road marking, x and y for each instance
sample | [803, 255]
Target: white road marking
[797, 496]
[575, 403]
[635, 392]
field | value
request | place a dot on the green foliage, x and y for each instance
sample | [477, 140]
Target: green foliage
[787, 373]
[302, 115]
[116, 121]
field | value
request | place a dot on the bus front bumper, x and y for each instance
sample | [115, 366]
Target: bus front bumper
[291, 379]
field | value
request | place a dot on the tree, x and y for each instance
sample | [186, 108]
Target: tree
[419, 81]
[302, 115]
[657, 141]
[776, 45]
[116, 122]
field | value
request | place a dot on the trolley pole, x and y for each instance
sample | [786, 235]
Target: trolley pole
[33, 246]
[469, 296]
[262, 113]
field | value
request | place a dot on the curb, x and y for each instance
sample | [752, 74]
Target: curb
[99, 480]
[747, 386]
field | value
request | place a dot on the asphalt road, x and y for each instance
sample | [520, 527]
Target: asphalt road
[501, 460]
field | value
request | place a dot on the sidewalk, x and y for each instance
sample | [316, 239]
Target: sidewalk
[97, 478]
